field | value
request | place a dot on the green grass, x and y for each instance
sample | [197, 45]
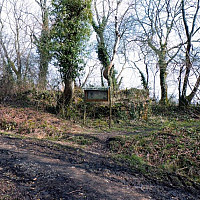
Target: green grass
[167, 142]
[81, 140]
[171, 147]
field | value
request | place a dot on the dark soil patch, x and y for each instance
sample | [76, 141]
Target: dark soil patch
[76, 165]
[40, 169]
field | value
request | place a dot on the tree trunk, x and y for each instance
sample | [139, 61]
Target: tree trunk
[192, 94]
[68, 91]
[183, 99]
[65, 100]
[163, 77]
[102, 83]
[186, 100]
[43, 72]
[43, 45]
[44, 58]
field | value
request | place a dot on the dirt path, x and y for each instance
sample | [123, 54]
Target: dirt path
[38, 169]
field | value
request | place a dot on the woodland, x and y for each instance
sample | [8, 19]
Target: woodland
[145, 140]
[47, 45]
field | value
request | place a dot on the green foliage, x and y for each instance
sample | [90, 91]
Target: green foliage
[143, 79]
[119, 112]
[42, 99]
[103, 54]
[71, 28]
[43, 45]
[7, 125]
[81, 140]
[102, 50]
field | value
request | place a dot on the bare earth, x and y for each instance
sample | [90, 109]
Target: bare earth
[38, 169]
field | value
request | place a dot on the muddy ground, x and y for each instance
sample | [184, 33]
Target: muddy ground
[34, 167]
[41, 169]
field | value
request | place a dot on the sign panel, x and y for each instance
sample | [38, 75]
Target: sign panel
[96, 95]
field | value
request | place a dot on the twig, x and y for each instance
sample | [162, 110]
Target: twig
[74, 191]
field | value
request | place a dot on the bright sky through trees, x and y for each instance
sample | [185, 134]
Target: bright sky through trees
[21, 19]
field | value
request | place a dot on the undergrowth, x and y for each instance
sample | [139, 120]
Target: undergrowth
[156, 140]
[173, 148]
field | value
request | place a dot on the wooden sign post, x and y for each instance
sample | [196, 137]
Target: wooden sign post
[96, 95]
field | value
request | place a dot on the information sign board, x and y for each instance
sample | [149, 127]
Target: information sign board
[96, 94]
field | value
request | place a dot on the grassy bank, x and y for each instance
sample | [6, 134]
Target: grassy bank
[165, 146]
[162, 149]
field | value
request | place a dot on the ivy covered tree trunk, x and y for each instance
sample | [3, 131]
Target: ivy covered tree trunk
[64, 101]
[102, 83]
[43, 45]
[99, 26]
[70, 31]
[101, 47]
[162, 63]
[163, 84]
[44, 60]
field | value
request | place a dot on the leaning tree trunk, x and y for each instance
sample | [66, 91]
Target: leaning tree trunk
[183, 99]
[194, 91]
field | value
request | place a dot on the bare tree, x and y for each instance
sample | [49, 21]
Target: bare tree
[91, 69]
[15, 41]
[6, 75]
[191, 28]
[156, 20]
[6, 61]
